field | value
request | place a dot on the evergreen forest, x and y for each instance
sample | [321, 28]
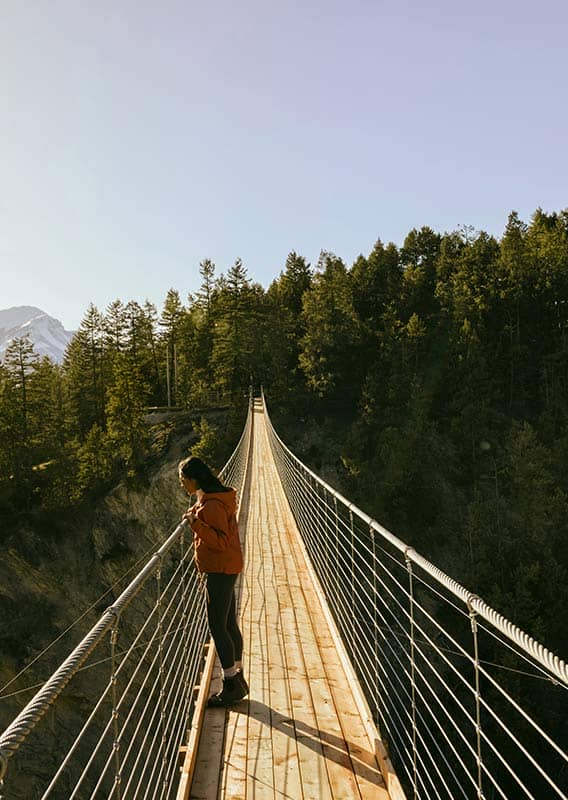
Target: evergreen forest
[428, 382]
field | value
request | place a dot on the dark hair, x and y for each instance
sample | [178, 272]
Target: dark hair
[197, 470]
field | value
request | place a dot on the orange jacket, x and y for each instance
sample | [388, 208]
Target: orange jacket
[216, 533]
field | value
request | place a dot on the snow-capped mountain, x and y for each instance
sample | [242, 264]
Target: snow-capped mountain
[47, 334]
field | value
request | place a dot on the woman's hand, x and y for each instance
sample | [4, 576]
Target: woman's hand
[189, 516]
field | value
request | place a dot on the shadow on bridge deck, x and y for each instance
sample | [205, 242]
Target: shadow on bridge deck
[300, 733]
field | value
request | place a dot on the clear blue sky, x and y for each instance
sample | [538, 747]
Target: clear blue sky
[138, 137]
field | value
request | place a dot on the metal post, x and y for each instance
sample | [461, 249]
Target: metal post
[161, 675]
[412, 675]
[3, 768]
[116, 733]
[185, 633]
[474, 628]
[315, 498]
[375, 624]
[352, 583]
[325, 571]
[336, 594]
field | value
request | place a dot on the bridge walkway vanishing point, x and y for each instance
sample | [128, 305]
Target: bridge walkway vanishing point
[304, 731]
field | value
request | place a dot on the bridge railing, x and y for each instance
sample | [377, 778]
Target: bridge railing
[468, 705]
[120, 706]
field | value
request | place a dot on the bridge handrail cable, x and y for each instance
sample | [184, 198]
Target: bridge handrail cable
[539, 652]
[16, 733]
[392, 607]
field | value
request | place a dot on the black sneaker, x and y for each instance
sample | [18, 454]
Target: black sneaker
[232, 691]
[241, 678]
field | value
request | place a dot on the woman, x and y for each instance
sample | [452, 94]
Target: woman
[218, 555]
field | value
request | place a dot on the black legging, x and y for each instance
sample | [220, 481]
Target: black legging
[222, 617]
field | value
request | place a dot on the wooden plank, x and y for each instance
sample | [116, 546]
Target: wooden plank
[323, 726]
[366, 767]
[307, 761]
[233, 782]
[196, 723]
[287, 779]
[235, 768]
[260, 777]
[390, 779]
[284, 769]
[342, 724]
[205, 783]
[357, 749]
[208, 772]
[311, 761]
[304, 732]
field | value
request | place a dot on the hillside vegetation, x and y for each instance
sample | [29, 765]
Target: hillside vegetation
[428, 381]
[58, 564]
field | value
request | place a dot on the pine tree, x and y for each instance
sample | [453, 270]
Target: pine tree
[172, 313]
[329, 347]
[85, 375]
[418, 257]
[236, 356]
[20, 359]
[186, 359]
[283, 332]
[377, 296]
[204, 297]
[7, 443]
[115, 325]
[237, 279]
[152, 375]
[376, 283]
[293, 283]
[141, 348]
[126, 430]
[94, 464]
[199, 391]
[55, 455]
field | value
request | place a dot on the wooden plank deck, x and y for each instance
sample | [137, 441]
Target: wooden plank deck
[299, 735]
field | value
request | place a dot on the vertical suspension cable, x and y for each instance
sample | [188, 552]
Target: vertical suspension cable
[375, 626]
[326, 543]
[477, 695]
[318, 530]
[111, 721]
[412, 675]
[159, 609]
[352, 580]
[185, 637]
[336, 559]
[116, 735]
[409, 679]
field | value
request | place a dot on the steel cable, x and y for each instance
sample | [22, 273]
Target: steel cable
[183, 612]
[405, 645]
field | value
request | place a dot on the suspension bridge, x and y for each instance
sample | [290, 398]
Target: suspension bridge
[372, 673]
